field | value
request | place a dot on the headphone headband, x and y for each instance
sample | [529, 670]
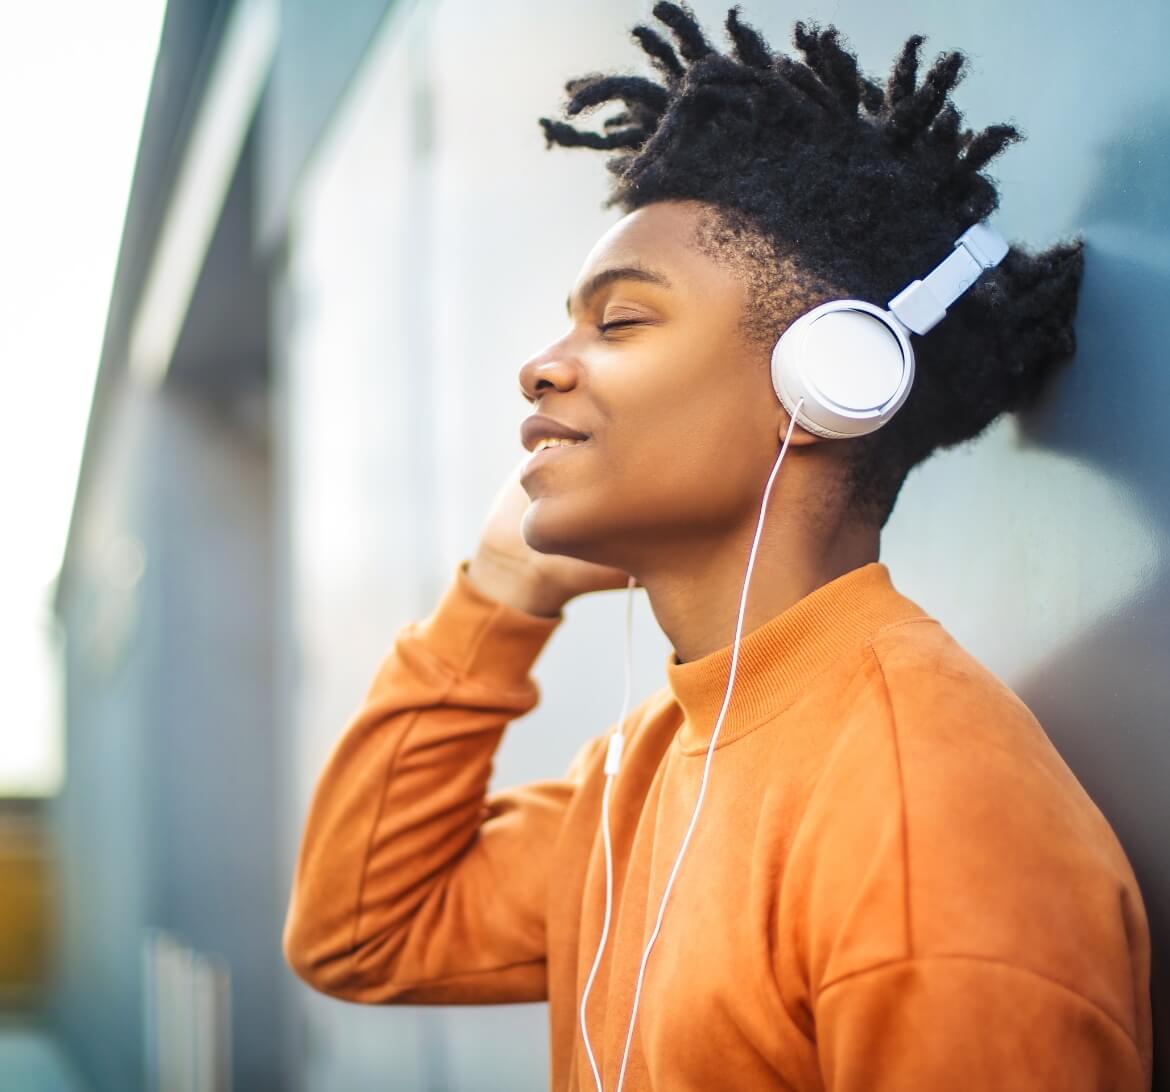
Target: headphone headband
[922, 305]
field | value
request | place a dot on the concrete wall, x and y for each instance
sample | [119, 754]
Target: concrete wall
[101, 819]
[431, 245]
[168, 814]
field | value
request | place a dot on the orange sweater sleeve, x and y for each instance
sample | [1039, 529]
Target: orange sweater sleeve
[961, 1022]
[411, 884]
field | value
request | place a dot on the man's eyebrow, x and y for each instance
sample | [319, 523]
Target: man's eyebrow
[618, 273]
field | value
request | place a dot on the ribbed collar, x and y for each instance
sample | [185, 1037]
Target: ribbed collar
[778, 659]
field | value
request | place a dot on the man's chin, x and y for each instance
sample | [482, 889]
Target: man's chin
[546, 533]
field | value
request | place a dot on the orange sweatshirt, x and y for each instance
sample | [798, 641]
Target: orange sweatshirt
[895, 882]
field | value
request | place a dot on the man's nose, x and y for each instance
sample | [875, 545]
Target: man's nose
[554, 368]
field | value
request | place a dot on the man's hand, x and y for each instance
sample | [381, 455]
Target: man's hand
[507, 569]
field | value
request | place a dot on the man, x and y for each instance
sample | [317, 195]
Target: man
[895, 882]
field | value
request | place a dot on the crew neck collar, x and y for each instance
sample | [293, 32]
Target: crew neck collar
[778, 659]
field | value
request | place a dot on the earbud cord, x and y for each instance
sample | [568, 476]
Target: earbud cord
[613, 757]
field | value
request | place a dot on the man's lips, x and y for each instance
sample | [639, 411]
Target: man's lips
[538, 427]
[554, 451]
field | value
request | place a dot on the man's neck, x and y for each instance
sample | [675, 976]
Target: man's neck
[695, 597]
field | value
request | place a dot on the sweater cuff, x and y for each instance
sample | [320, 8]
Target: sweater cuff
[481, 638]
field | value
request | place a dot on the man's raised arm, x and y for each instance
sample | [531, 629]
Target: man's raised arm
[409, 885]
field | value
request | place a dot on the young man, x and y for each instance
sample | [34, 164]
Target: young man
[894, 881]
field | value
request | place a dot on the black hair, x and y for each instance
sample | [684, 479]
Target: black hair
[824, 184]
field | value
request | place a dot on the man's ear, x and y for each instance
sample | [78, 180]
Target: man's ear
[801, 437]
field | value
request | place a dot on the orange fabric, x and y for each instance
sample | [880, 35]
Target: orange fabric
[895, 882]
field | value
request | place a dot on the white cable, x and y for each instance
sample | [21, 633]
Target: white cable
[702, 785]
[612, 759]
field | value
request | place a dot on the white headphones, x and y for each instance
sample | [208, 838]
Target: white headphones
[851, 361]
[842, 369]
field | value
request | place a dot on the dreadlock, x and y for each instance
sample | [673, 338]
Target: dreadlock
[821, 184]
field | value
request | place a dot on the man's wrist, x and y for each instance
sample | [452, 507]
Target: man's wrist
[511, 585]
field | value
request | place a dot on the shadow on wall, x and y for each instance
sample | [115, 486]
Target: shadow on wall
[1104, 697]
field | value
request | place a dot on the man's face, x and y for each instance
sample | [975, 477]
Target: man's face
[681, 419]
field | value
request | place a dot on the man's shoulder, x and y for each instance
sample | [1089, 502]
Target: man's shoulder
[946, 806]
[948, 738]
[969, 754]
[935, 686]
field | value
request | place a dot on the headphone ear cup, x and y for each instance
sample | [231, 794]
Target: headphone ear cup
[851, 363]
[790, 386]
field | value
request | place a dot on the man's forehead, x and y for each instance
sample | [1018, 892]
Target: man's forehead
[657, 231]
[657, 244]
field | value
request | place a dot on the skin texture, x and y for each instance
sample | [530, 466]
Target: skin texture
[683, 430]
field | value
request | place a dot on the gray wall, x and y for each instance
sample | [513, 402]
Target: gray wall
[167, 820]
[101, 815]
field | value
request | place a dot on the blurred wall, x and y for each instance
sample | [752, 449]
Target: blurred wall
[167, 818]
[101, 813]
[431, 244]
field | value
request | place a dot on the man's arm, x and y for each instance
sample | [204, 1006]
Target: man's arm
[967, 1023]
[411, 885]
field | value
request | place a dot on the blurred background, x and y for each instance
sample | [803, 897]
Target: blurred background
[270, 269]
